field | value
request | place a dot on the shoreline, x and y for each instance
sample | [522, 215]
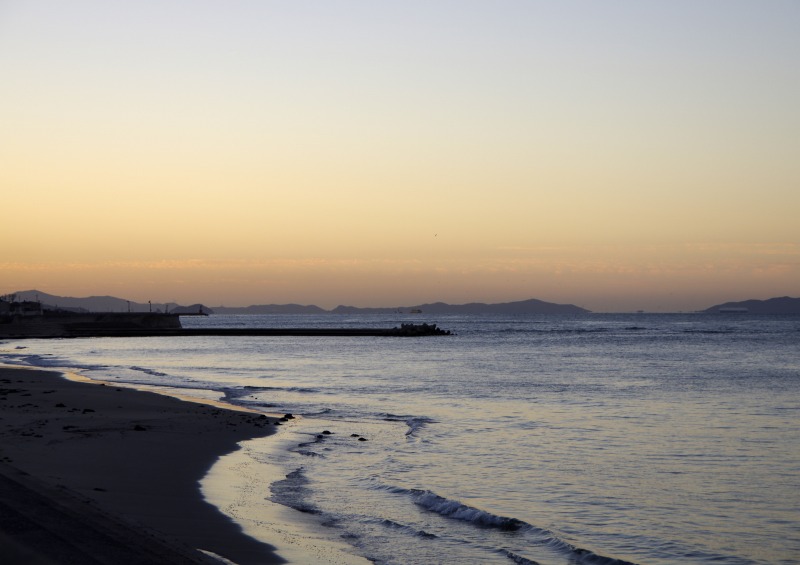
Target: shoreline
[115, 472]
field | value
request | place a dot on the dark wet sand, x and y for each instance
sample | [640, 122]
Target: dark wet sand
[100, 474]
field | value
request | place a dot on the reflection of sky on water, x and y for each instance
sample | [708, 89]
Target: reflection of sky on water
[637, 436]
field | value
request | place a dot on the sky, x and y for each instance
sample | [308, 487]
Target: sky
[618, 155]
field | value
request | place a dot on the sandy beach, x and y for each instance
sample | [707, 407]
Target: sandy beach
[94, 473]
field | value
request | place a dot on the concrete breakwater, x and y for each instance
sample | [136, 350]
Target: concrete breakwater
[405, 330]
[118, 324]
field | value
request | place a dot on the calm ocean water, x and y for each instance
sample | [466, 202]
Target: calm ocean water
[640, 438]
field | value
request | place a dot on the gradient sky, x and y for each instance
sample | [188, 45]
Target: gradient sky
[617, 155]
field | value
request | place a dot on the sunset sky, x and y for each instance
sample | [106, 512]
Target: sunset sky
[616, 155]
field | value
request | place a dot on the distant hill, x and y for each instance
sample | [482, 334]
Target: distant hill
[531, 306]
[783, 305]
[192, 309]
[103, 303]
[88, 304]
[270, 309]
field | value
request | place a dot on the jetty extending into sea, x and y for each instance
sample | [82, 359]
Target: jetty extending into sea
[27, 321]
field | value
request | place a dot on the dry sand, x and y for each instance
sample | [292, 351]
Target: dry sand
[98, 474]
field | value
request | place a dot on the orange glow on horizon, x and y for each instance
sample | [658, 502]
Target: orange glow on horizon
[254, 154]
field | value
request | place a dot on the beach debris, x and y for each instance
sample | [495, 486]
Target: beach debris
[327, 432]
[354, 435]
[61, 405]
[362, 439]
[87, 410]
[287, 416]
[139, 428]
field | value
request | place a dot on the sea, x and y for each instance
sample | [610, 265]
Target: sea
[585, 439]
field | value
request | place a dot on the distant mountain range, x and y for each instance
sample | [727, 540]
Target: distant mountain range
[113, 304]
[783, 305]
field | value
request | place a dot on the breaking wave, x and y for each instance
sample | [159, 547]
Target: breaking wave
[455, 510]
[415, 425]
[147, 371]
[293, 492]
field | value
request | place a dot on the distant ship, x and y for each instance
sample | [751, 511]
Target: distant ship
[415, 311]
[733, 310]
